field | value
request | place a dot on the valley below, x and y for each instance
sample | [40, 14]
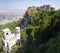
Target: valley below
[9, 16]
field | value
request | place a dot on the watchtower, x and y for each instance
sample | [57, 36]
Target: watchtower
[9, 39]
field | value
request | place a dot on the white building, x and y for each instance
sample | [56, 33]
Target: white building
[9, 39]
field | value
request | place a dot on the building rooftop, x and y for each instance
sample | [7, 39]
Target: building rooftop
[17, 27]
[6, 30]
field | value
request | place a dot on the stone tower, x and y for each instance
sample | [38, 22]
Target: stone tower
[17, 32]
[9, 39]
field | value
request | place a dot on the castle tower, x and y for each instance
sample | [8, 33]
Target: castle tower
[5, 37]
[9, 39]
[17, 33]
[6, 33]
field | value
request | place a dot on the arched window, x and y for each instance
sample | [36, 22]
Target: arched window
[7, 45]
[3, 43]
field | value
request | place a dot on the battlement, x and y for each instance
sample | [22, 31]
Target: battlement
[7, 32]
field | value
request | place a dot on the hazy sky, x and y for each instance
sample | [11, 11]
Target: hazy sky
[24, 4]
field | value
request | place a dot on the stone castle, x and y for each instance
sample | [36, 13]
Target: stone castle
[9, 39]
[46, 8]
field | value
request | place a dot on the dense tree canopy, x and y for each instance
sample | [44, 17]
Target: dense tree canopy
[42, 34]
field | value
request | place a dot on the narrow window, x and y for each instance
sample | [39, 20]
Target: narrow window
[3, 43]
[6, 33]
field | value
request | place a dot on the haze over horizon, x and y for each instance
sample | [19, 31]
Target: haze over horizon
[24, 4]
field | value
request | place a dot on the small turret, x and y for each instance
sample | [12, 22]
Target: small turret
[17, 30]
[6, 32]
[17, 33]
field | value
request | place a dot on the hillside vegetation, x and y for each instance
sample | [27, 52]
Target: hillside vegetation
[42, 34]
